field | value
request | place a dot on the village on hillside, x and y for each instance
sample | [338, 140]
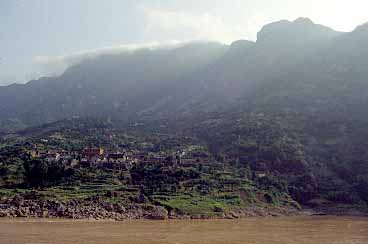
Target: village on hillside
[124, 159]
[70, 171]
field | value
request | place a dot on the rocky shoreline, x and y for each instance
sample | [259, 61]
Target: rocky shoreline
[96, 209]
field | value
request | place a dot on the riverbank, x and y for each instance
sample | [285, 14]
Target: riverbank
[97, 209]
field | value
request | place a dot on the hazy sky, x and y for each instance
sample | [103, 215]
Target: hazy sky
[41, 37]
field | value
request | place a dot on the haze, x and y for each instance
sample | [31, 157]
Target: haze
[43, 37]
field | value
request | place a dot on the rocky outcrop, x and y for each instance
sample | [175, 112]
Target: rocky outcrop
[75, 209]
[158, 213]
[96, 208]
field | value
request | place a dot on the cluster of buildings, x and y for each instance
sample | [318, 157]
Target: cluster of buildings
[95, 156]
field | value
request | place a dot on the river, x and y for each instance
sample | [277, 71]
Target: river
[295, 230]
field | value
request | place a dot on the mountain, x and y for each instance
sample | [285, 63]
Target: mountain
[109, 85]
[159, 81]
[292, 104]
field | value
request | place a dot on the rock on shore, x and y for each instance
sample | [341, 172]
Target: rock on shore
[96, 208]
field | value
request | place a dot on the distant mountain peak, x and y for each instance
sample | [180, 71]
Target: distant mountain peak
[299, 32]
[358, 37]
[303, 20]
[241, 44]
[361, 28]
[239, 48]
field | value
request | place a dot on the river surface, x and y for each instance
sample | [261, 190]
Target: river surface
[298, 230]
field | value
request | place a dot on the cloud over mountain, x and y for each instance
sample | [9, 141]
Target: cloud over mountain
[56, 65]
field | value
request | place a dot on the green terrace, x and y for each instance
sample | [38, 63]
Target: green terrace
[67, 193]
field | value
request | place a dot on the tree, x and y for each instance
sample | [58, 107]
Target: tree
[36, 173]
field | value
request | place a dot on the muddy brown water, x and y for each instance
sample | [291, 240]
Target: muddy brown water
[295, 230]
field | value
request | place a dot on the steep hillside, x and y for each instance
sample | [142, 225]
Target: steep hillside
[110, 85]
[291, 105]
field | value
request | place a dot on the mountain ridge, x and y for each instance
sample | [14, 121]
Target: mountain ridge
[113, 84]
[291, 105]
